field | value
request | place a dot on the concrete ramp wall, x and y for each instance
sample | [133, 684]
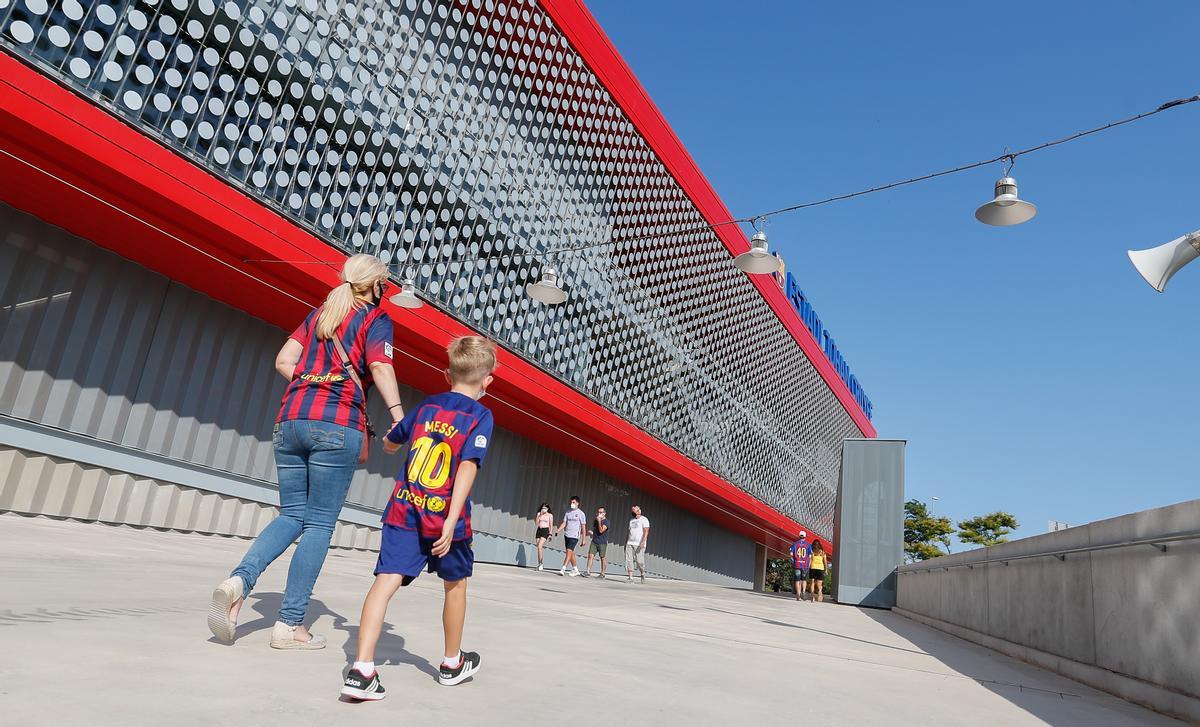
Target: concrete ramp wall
[1114, 604]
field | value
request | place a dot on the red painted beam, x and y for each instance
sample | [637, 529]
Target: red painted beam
[72, 164]
[588, 39]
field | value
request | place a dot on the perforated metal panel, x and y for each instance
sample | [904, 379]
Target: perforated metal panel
[465, 142]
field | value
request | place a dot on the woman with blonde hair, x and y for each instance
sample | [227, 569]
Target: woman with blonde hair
[330, 362]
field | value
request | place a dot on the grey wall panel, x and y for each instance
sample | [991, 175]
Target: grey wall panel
[75, 325]
[869, 537]
[36, 484]
[1127, 611]
[208, 392]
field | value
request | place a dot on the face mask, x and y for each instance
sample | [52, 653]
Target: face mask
[633, 513]
[480, 395]
[574, 506]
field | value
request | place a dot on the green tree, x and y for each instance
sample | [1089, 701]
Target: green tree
[987, 529]
[923, 533]
[779, 575]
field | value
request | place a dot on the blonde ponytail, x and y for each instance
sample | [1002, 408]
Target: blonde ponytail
[360, 273]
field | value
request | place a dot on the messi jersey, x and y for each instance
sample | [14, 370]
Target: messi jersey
[801, 554]
[441, 431]
[320, 388]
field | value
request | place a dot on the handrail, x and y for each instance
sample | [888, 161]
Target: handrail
[1157, 542]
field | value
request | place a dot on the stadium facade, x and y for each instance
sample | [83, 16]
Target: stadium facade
[180, 178]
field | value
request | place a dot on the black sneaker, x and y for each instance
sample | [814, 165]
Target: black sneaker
[359, 686]
[470, 664]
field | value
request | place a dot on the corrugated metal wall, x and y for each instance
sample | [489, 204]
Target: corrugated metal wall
[34, 483]
[99, 346]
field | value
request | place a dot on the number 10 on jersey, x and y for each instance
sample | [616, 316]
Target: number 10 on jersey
[429, 463]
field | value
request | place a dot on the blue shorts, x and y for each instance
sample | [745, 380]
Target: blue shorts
[802, 574]
[405, 552]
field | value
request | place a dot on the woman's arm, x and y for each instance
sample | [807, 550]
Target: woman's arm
[288, 357]
[384, 377]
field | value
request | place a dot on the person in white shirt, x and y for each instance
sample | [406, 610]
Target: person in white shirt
[575, 523]
[635, 545]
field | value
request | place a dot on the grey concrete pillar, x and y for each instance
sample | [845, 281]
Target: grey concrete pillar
[760, 567]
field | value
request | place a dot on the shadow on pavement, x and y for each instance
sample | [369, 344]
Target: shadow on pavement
[973, 661]
[389, 650]
[45, 616]
[773, 622]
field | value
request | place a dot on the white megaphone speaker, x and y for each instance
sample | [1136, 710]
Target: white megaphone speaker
[1158, 264]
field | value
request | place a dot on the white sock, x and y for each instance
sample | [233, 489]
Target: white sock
[453, 663]
[366, 668]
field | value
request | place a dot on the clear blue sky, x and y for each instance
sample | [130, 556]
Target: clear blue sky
[1030, 368]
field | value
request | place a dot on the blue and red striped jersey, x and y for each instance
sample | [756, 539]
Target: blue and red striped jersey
[441, 432]
[321, 388]
[801, 554]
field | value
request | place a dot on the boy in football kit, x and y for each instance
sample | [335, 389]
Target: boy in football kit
[427, 522]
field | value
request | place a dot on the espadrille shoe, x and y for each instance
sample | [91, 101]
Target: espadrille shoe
[284, 637]
[224, 596]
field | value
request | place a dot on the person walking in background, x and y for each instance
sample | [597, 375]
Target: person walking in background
[635, 544]
[543, 521]
[801, 552]
[599, 547]
[574, 522]
[816, 571]
[330, 362]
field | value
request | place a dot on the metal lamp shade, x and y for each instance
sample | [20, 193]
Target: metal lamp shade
[1006, 208]
[756, 260]
[548, 289]
[407, 297]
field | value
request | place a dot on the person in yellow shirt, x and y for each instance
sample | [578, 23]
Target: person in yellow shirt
[816, 571]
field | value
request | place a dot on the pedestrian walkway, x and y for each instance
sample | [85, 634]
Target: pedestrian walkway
[103, 625]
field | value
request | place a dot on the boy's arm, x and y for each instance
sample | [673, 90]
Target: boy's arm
[464, 480]
[398, 435]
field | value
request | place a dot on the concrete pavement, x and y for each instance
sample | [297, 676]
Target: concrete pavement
[103, 625]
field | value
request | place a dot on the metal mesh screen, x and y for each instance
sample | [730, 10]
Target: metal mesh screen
[433, 134]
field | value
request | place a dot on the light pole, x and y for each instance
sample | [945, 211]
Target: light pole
[933, 506]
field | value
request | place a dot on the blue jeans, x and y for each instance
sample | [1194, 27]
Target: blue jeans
[316, 461]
